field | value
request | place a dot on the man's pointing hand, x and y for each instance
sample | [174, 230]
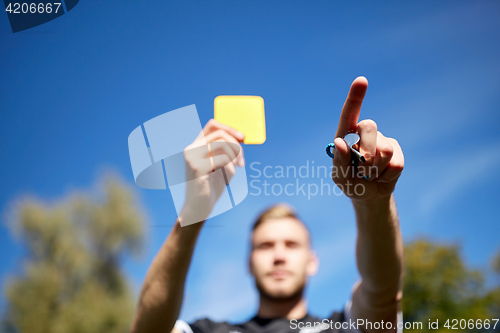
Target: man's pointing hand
[384, 157]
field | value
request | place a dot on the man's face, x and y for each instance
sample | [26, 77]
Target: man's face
[281, 258]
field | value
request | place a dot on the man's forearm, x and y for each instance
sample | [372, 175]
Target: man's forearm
[163, 289]
[379, 250]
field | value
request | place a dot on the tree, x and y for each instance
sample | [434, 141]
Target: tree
[439, 286]
[494, 294]
[71, 279]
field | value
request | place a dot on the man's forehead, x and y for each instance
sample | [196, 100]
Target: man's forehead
[280, 228]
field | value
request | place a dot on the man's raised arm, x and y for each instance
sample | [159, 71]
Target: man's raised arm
[163, 289]
[379, 248]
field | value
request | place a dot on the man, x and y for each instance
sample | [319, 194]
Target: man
[281, 258]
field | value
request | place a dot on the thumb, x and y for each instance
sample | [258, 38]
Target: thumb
[342, 154]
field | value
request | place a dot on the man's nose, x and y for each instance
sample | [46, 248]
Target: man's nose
[279, 254]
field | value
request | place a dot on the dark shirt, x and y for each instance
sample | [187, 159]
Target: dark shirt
[308, 324]
[338, 322]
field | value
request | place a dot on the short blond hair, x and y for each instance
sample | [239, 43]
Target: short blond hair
[276, 211]
[279, 211]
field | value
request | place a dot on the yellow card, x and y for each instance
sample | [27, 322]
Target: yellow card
[244, 113]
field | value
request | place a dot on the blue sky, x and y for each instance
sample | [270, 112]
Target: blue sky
[74, 88]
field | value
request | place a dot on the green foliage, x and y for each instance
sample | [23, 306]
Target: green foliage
[494, 294]
[439, 286]
[71, 280]
[496, 263]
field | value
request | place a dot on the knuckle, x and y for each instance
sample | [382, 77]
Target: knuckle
[368, 124]
[219, 132]
[398, 166]
[224, 136]
[368, 157]
[394, 142]
[195, 167]
[386, 148]
[237, 148]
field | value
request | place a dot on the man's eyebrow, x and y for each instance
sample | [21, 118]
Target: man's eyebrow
[257, 244]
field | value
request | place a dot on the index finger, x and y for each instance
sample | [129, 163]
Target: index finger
[214, 125]
[352, 106]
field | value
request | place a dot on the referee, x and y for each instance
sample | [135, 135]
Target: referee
[281, 258]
